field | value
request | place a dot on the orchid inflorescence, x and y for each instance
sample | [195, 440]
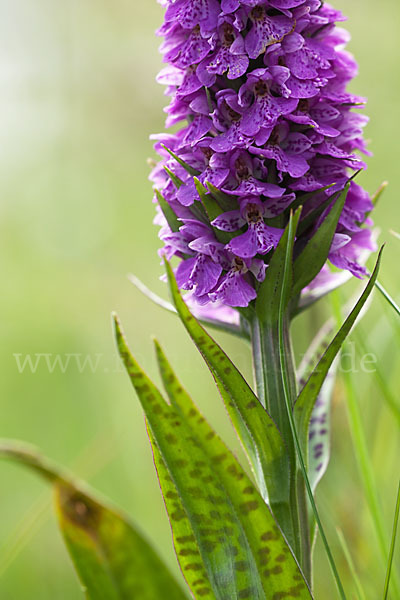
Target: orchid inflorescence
[269, 124]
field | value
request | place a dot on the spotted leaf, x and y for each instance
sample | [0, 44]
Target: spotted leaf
[257, 431]
[241, 549]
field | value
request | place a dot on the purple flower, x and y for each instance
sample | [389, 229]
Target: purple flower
[229, 56]
[259, 88]
[266, 30]
[259, 237]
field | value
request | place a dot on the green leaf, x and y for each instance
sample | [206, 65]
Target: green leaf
[172, 219]
[281, 220]
[301, 200]
[306, 400]
[212, 209]
[319, 445]
[313, 257]
[185, 165]
[225, 201]
[268, 298]
[241, 548]
[260, 437]
[183, 536]
[113, 561]
[311, 217]
[174, 178]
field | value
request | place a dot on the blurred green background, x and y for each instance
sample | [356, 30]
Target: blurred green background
[78, 103]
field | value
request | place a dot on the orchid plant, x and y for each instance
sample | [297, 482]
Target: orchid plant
[260, 216]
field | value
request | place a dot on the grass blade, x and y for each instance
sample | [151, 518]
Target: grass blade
[392, 545]
[365, 467]
[350, 563]
[382, 384]
[388, 298]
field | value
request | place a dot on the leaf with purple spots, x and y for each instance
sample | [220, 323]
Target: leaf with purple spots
[254, 426]
[319, 431]
[231, 535]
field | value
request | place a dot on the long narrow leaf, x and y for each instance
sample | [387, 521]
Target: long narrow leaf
[243, 551]
[183, 536]
[257, 431]
[185, 165]
[170, 216]
[313, 257]
[229, 470]
[268, 298]
[113, 561]
[319, 440]
[307, 397]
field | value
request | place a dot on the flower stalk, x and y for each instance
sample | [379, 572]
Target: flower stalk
[269, 380]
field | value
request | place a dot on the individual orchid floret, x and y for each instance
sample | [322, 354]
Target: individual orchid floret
[259, 237]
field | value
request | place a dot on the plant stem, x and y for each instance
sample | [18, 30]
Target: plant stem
[271, 393]
[292, 425]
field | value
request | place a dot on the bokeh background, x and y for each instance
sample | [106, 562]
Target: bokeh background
[78, 102]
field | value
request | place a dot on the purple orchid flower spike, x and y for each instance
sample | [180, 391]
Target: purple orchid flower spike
[260, 90]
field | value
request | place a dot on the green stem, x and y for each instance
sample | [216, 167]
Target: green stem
[268, 376]
[289, 406]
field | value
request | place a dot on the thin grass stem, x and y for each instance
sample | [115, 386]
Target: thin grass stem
[388, 297]
[392, 545]
[362, 454]
[350, 563]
